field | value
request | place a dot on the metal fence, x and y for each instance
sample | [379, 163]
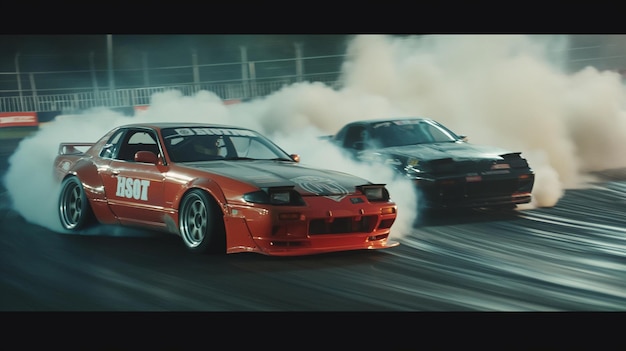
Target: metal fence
[82, 89]
[242, 90]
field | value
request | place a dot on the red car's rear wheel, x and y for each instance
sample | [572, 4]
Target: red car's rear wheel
[74, 209]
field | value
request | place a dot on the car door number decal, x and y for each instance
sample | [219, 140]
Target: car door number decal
[132, 188]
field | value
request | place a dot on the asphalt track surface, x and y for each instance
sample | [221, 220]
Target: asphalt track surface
[571, 257]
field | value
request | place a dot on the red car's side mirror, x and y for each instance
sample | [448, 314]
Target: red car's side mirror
[146, 157]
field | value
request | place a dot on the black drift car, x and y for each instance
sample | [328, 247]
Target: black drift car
[449, 172]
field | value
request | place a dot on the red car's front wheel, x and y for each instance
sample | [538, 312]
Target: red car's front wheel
[199, 223]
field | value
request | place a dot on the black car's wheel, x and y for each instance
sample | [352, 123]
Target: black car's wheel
[200, 223]
[74, 209]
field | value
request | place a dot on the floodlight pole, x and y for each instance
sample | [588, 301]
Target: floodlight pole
[19, 80]
[299, 66]
[245, 78]
[110, 61]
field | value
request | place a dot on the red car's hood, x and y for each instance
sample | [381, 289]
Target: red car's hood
[263, 174]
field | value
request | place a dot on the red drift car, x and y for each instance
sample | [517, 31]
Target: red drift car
[221, 189]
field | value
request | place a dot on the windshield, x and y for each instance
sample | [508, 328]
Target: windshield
[206, 144]
[409, 132]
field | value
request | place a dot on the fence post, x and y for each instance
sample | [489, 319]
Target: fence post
[110, 61]
[94, 78]
[196, 72]
[34, 88]
[253, 90]
[299, 66]
[244, 72]
[146, 77]
[19, 80]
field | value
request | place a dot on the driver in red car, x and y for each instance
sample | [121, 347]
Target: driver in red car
[211, 149]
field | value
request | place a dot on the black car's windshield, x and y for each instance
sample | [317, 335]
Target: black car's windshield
[209, 143]
[409, 132]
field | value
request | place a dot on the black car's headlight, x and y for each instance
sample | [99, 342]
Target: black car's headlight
[413, 166]
[374, 192]
[286, 196]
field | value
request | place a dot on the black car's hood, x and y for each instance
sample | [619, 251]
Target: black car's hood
[456, 150]
[264, 174]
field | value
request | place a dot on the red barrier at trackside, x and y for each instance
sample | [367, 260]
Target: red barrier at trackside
[140, 108]
[18, 119]
[30, 119]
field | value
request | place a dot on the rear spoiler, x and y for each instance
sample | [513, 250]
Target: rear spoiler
[511, 155]
[72, 148]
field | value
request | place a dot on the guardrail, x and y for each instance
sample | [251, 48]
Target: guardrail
[24, 91]
[236, 90]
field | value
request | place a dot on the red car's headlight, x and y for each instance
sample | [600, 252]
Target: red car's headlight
[374, 192]
[286, 196]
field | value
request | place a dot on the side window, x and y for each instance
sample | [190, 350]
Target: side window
[141, 138]
[138, 140]
[437, 135]
[354, 135]
[110, 148]
[251, 147]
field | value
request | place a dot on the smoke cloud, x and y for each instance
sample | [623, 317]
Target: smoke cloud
[503, 90]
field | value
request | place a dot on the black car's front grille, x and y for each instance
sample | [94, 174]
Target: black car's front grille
[365, 224]
[461, 167]
[491, 188]
[478, 189]
[453, 189]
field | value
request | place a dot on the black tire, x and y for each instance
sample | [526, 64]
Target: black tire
[74, 210]
[200, 223]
